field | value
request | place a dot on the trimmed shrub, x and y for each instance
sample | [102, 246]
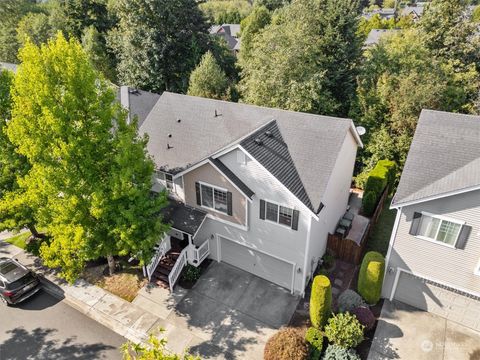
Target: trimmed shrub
[344, 330]
[370, 277]
[320, 301]
[286, 344]
[314, 338]
[349, 300]
[335, 352]
[379, 177]
[365, 316]
[191, 273]
[377, 180]
[391, 167]
[369, 203]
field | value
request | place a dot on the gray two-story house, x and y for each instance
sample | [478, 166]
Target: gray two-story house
[253, 187]
[433, 261]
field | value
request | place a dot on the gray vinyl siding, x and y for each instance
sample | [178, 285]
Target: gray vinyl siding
[455, 267]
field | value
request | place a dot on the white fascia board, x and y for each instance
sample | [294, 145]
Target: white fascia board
[435, 197]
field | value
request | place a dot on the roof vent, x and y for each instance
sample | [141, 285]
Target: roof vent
[169, 135]
[169, 146]
[133, 91]
[217, 113]
[268, 133]
[258, 141]
[179, 120]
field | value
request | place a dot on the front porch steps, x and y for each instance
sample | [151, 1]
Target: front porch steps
[160, 275]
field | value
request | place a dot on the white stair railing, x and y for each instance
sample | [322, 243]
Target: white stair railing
[161, 250]
[177, 269]
[201, 253]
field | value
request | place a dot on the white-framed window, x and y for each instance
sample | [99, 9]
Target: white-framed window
[439, 229]
[214, 198]
[169, 181]
[278, 213]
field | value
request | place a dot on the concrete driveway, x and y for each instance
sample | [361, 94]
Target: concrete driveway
[228, 314]
[404, 332]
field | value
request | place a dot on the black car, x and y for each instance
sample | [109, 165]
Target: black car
[17, 283]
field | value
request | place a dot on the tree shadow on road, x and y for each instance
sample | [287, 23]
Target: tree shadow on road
[39, 344]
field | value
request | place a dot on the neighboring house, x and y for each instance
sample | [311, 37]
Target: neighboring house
[231, 34]
[375, 35]
[8, 66]
[433, 260]
[415, 12]
[254, 187]
[384, 13]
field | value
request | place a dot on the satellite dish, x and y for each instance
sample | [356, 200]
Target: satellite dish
[361, 130]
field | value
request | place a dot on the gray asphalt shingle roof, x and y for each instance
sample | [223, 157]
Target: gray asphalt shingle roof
[184, 130]
[375, 35]
[183, 217]
[444, 157]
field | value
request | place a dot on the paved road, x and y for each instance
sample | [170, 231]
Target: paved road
[44, 328]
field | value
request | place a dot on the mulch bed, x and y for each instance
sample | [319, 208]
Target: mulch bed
[189, 284]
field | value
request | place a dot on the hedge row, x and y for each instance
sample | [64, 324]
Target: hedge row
[382, 174]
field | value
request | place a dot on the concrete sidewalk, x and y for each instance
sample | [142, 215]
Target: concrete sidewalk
[126, 319]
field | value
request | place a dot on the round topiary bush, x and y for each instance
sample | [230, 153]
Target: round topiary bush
[320, 301]
[335, 352]
[344, 330]
[365, 316]
[286, 344]
[314, 338]
[370, 277]
[349, 300]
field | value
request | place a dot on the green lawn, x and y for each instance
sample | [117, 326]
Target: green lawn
[19, 240]
[380, 236]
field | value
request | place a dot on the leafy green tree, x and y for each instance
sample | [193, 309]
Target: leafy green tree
[476, 14]
[155, 349]
[305, 60]
[399, 78]
[272, 4]
[250, 26]
[36, 27]
[15, 214]
[11, 11]
[94, 45]
[449, 33]
[72, 17]
[208, 80]
[155, 46]
[90, 175]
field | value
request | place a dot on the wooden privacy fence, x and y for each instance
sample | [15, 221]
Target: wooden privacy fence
[348, 250]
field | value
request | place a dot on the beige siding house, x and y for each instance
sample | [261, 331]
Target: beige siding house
[433, 262]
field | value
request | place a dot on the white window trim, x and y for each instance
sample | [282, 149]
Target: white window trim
[168, 181]
[278, 213]
[442, 218]
[213, 197]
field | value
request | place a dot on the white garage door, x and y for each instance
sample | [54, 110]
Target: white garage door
[257, 263]
[441, 300]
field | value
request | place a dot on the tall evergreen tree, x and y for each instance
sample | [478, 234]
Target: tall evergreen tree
[158, 43]
[305, 60]
[208, 80]
[90, 175]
